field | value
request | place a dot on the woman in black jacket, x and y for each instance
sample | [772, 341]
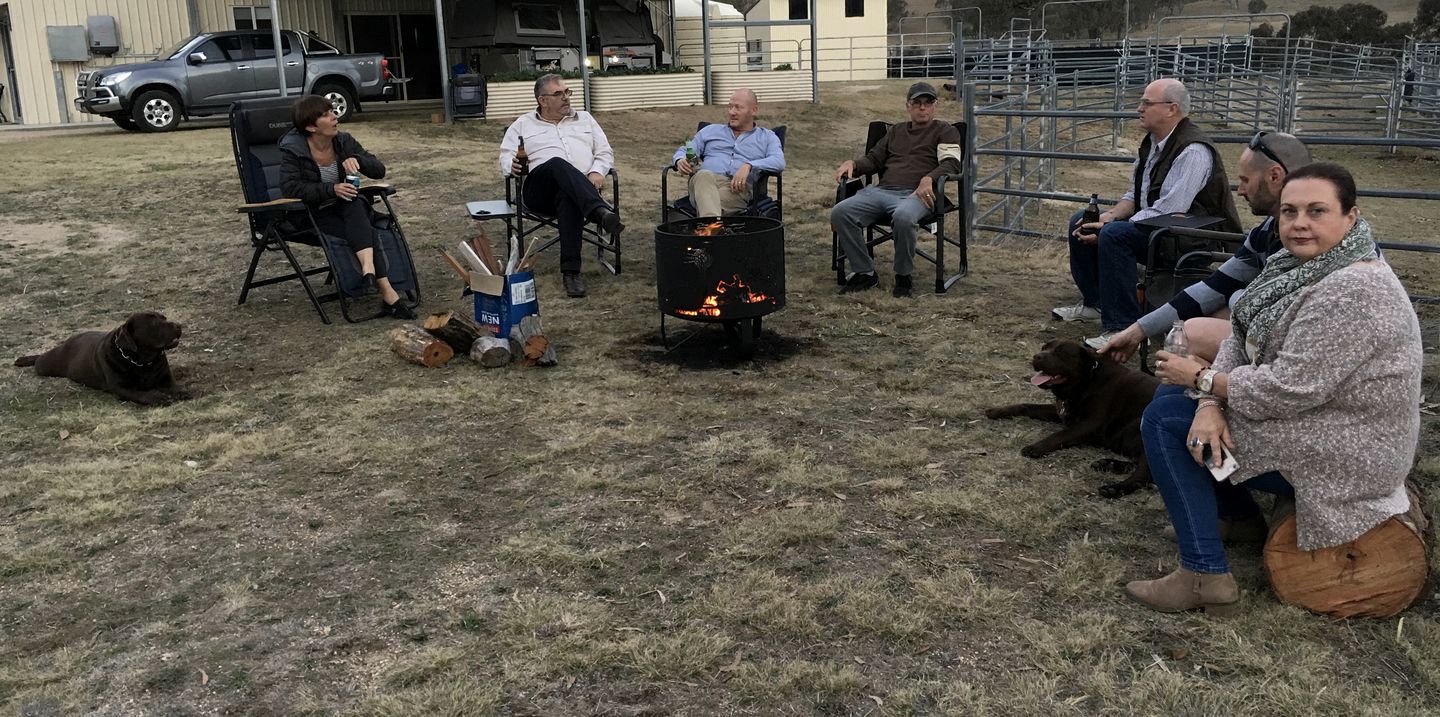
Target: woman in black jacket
[315, 157]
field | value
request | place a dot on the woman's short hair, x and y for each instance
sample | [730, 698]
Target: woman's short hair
[1336, 175]
[307, 111]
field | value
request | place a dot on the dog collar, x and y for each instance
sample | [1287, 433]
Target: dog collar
[126, 356]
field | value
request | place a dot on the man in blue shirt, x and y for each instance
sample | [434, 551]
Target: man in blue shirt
[729, 154]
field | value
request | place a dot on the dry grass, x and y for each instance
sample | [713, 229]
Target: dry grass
[829, 529]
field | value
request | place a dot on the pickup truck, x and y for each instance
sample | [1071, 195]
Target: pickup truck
[204, 74]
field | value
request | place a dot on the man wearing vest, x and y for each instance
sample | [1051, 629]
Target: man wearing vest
[1263, 167]
[1177, 170]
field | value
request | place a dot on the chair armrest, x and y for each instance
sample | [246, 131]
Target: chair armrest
[374, 190]
[283, 204]
[845, 190]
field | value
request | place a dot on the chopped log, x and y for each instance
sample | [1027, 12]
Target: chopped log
[416, 345]
[1377, 574]
[491, 351]
[458, 330]
[535, 348]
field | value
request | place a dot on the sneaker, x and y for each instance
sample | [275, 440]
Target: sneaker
[902, 286]
[1078, 312]
[399, 310]
[860, 282]
[1098, 342]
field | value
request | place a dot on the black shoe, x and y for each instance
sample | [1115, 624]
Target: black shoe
[399, 310]
[608, 221]
[859, 282]
[902, 286]
[574, 287]
[368, 284]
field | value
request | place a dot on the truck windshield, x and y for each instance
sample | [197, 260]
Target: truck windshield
[175, 49]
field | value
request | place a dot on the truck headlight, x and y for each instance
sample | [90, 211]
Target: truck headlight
[109, 80]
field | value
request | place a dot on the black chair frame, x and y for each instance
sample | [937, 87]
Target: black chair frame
[880, 232]
[3, 118]
[1195, 262]
[275, 224]
[589, 234]
[758, 194]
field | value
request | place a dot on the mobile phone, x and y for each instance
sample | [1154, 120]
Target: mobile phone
[1227, 464]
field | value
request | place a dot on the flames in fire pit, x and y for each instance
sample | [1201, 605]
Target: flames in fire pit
[726, 293]
[714, 228]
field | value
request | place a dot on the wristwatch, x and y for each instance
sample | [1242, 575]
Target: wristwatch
[1207, 380]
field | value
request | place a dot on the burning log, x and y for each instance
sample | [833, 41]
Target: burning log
[416, 345]
[530, 345]
[457, 330]
[491, 351]
[735, 291]
[714, 228]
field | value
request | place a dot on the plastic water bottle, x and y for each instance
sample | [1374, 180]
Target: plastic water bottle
[1175, 341]
[690, 155]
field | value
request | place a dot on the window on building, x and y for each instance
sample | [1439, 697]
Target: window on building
[538, 20]
[799, 9]
[252, 18]
[854, 8]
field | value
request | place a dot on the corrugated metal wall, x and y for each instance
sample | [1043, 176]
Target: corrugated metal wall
[145, 27]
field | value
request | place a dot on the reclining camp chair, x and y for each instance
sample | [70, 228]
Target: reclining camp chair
[761, 203]
[276, 222]
[880, 232]
[1177, 258]
[589, 233]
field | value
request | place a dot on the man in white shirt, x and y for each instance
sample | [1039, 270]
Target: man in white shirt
[1178, 170]
[568, 157]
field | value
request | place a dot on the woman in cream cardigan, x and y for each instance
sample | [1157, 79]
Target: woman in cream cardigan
[1316, 392]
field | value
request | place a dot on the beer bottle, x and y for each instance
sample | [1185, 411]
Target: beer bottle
[1092, 212]
[690, 155]
[522, 159]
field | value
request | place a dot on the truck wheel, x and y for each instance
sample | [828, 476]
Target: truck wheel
[340, 98]
[156, 111]
[124, 122]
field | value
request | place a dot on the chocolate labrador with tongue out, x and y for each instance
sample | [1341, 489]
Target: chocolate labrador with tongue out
[1098, 401]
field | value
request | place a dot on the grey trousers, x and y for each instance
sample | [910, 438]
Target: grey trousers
[875, 204]
[712, 196]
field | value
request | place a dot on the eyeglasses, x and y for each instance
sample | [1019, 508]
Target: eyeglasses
[560, 94]
[1146, 104]
[1257, 143]
[923, 101]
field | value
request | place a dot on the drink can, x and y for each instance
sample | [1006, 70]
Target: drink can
[353, 179]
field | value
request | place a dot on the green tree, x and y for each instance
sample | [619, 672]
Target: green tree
[895, 10]
[1427, 20]
[1264, 29]
[1256, 6]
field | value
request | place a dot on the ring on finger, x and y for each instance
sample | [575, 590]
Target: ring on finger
[1195, 442]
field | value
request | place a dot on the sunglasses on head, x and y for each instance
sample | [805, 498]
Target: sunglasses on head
[1257, 143]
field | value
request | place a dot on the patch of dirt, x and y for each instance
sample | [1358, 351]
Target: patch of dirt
[52, 238]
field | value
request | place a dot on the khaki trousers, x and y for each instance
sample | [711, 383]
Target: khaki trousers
[712, 196]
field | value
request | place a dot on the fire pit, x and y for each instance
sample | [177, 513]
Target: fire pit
[729, 270]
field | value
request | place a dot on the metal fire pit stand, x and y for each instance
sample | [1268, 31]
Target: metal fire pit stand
[744, 336]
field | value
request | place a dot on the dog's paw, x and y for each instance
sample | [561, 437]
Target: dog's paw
[1033, 450]
[1116, 490]
[1113, 465]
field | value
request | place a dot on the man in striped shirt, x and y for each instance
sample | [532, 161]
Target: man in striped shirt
[1206, 304]
[1178, 169]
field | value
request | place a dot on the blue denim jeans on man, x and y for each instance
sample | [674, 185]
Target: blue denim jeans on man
[1194, 499]
[1105, 271]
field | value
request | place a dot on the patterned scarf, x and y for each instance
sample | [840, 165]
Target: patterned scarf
[1280, 283]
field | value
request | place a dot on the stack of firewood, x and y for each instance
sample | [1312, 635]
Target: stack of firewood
[441, 336]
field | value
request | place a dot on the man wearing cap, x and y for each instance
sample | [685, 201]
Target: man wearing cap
[1178, 170]
[909, 158]
[721, 183]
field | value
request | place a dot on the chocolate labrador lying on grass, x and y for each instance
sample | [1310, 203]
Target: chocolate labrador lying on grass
[128, 362]
[1098, 401]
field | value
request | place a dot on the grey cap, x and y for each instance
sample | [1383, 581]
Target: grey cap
[920, 89]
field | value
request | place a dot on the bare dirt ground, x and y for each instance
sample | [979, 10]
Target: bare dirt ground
[832, 528]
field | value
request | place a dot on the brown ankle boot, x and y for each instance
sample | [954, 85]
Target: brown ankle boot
[1248, 530]
[1186, 590]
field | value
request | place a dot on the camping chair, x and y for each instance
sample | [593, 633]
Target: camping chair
[589, 234]
[761, 204]
[880, 232]
[276, 223]
[1177, 258]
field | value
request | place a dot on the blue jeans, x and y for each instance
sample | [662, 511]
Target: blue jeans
[1194, 499]
[875, 204]
[1105, 270]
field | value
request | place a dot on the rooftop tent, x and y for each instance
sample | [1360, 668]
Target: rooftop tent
[547, 23]
[513, 23]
